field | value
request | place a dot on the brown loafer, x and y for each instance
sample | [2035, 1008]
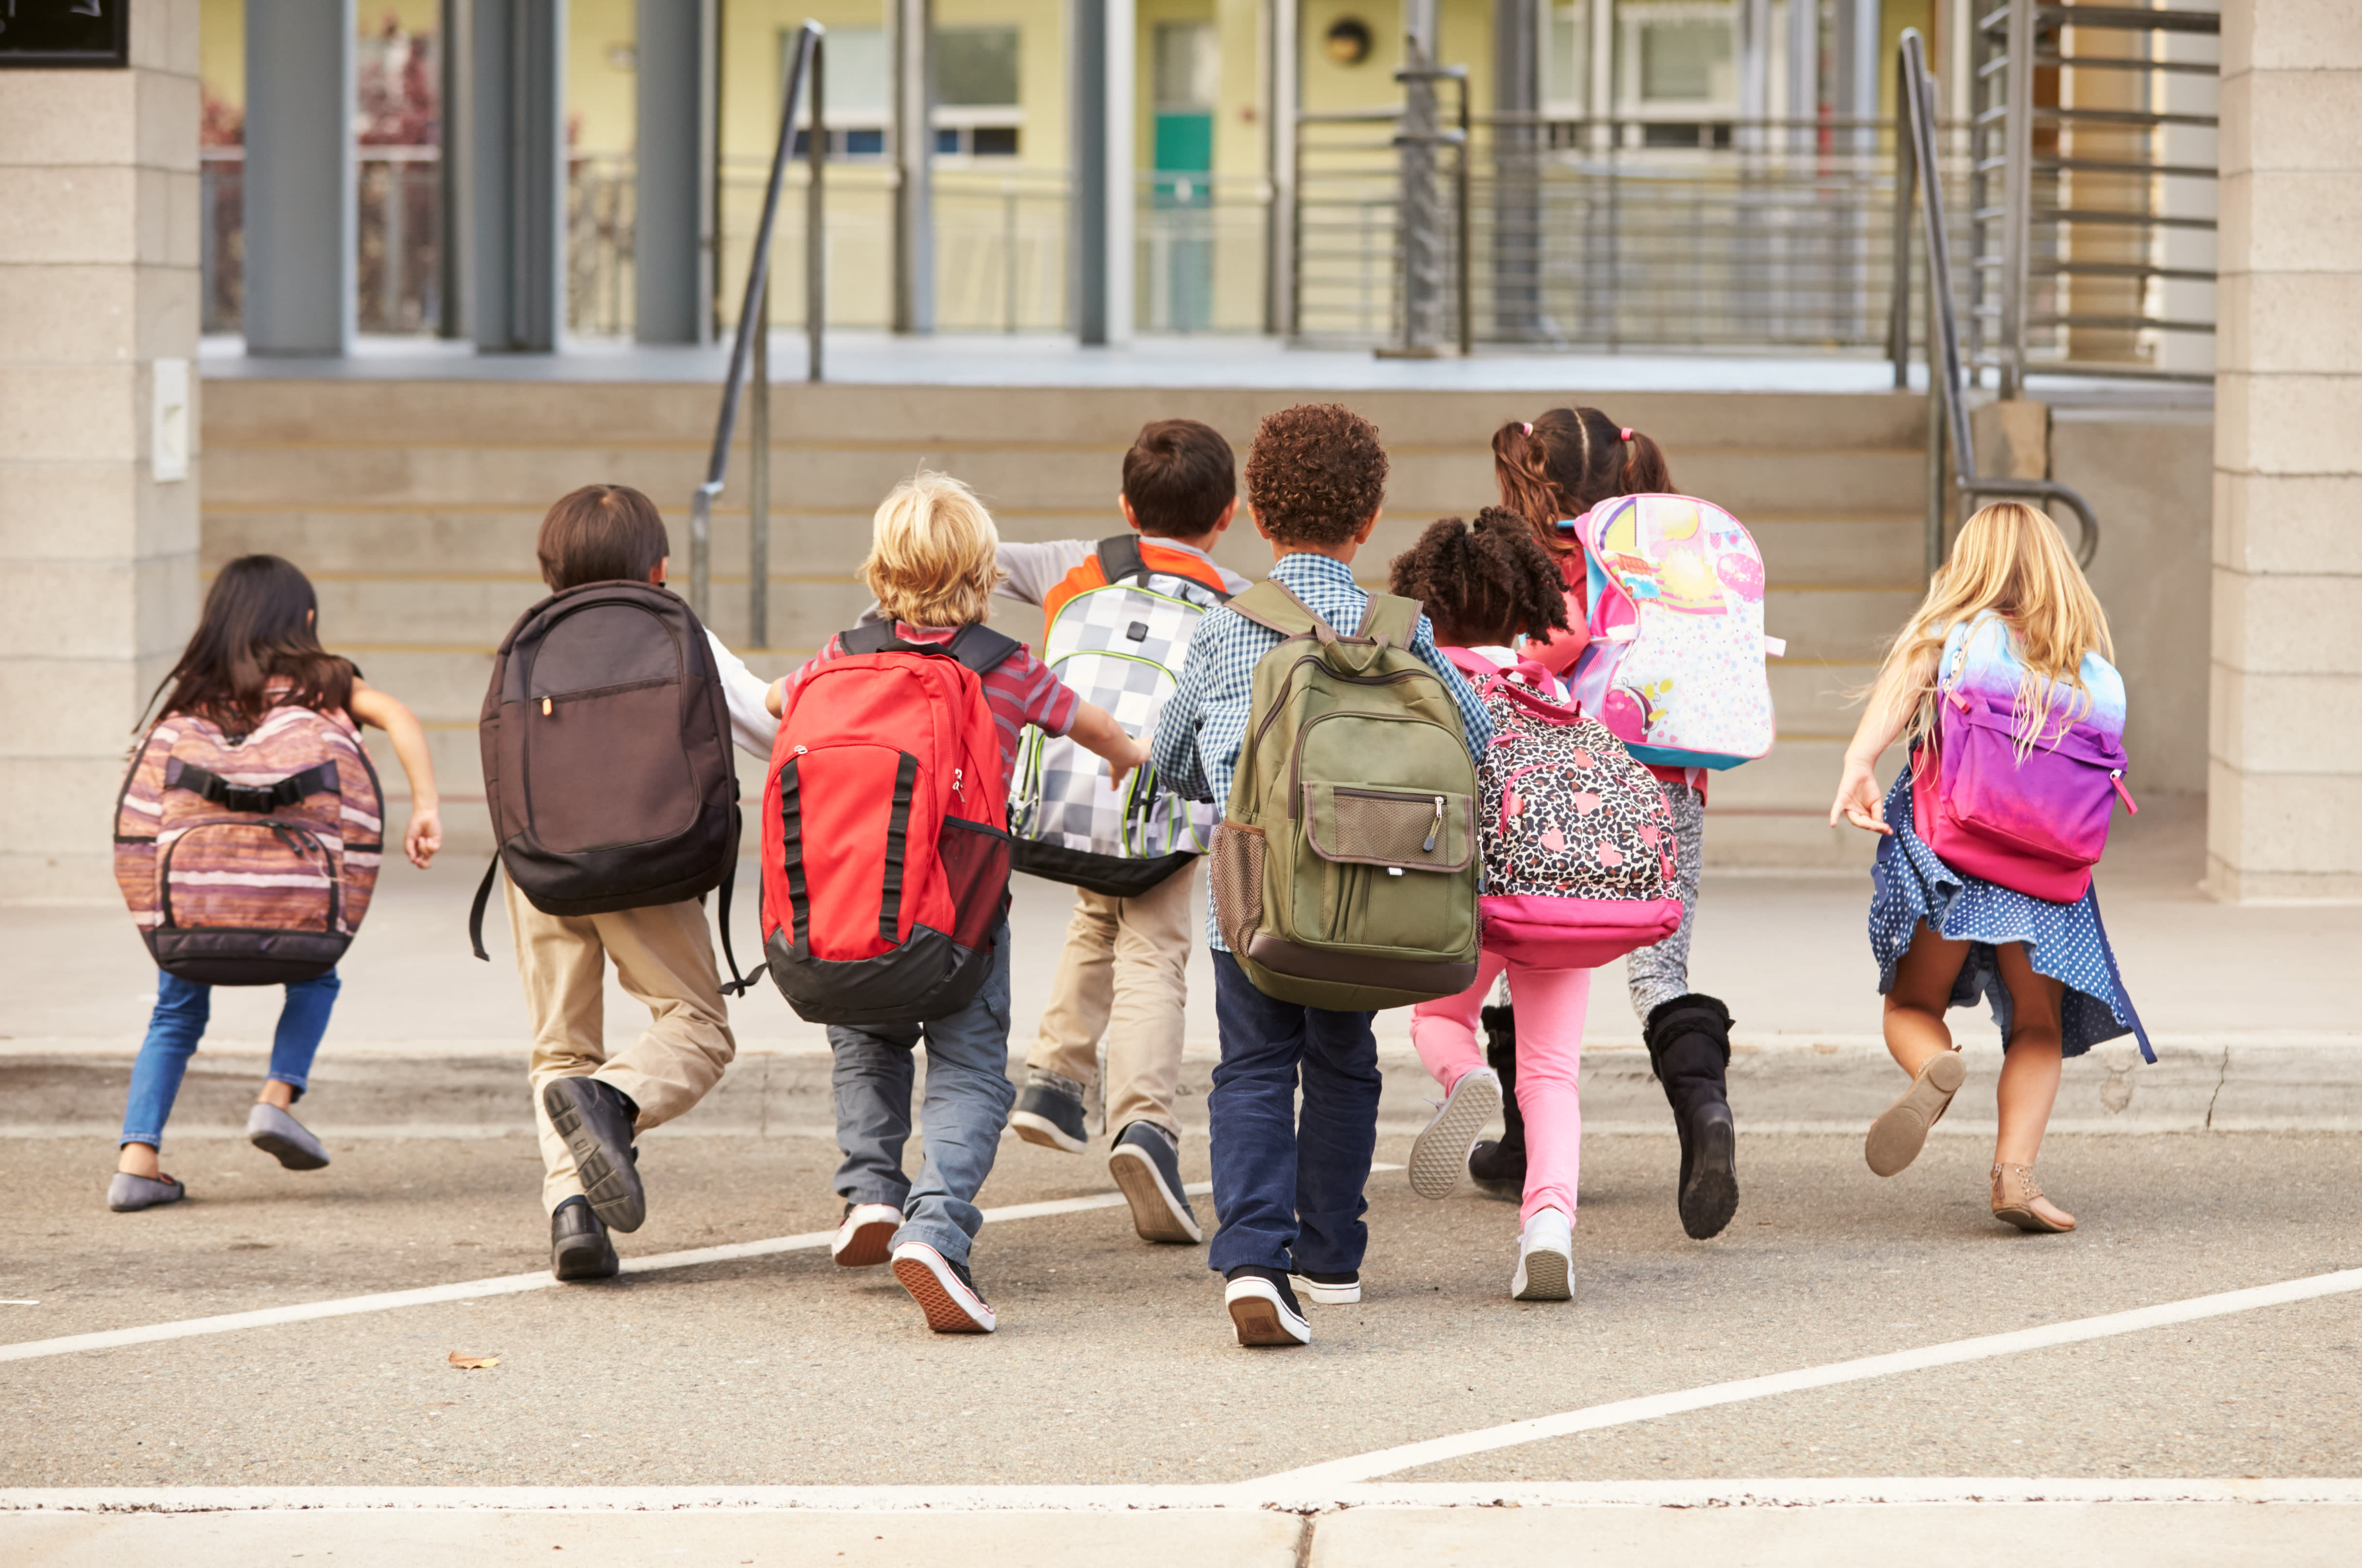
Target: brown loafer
[1900, 1130]
[2014, 1197]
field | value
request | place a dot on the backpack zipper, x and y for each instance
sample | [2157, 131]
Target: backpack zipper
[1433, 828]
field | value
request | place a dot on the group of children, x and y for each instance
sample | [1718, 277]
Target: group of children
[1295, 1097]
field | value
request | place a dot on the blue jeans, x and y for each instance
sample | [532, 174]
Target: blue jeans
[1287, 1188]
[968, 1098]
[179, 1022]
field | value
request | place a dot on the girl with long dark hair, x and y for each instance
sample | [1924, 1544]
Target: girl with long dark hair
[257, 649]
[1552, 471]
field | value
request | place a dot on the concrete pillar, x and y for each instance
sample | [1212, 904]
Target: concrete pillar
[1103, 95]
[2284, 806]
[1803, 71]
[914, 154]
[516, 174]
[99, 301]
[1517, 189]
[1754, 68]
[299, 215]
[1282, 95]
[672, 231]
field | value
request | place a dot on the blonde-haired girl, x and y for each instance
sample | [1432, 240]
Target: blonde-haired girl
[2010, 616]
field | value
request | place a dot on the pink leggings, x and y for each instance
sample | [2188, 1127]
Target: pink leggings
[1550, 1005]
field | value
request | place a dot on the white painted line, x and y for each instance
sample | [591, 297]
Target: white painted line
[1435, 1450]
[511, 1284]
[1783, 1492]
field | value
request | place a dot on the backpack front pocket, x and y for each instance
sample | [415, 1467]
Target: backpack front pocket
[1412, 830]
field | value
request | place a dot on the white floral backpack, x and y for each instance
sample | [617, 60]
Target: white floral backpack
[1577, 841]
[1674, 667]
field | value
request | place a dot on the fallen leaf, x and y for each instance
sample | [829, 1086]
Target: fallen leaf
[473, 1362]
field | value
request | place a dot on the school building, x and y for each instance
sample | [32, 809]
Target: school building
[370, 282]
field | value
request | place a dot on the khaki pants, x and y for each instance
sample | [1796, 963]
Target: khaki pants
[1123, 972]
[663, 956]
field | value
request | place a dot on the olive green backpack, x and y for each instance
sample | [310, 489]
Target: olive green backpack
[1345, 868]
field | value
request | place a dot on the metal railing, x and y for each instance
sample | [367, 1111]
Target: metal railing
[750, 348]
[2079, 249]
[1948, 412]
[1621, 234]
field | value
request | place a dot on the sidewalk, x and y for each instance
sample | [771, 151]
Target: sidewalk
[2245, 1006]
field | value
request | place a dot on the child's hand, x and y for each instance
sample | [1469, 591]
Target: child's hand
[1858, 798]
[425, 836]
[1135, 755]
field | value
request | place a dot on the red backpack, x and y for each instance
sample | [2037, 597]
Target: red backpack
[885, 839]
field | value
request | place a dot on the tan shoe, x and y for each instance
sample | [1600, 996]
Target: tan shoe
[2014, 1194]
[1900, 1130]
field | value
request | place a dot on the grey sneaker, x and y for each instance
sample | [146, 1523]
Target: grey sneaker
[1146, 1164]
[1050, 1113]
[1439, 1157]
[280, 1135]
[127, 1194]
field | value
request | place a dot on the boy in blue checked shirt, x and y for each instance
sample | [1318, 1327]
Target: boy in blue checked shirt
[1288, 1190]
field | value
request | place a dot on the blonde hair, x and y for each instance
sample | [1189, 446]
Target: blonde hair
[932, 552]
[2010, 560]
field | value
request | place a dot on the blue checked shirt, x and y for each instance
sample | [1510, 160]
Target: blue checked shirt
[1201, 729]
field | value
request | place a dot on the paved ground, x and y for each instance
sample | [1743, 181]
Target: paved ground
[1114, 1372]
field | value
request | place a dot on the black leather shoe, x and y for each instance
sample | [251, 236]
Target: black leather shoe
[1500, 1167]
[595, 1120]
[578, 1247]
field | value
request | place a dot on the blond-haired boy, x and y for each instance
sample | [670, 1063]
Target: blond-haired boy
[931, 564]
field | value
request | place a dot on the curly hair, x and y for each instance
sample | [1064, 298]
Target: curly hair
[1481, 584]
[1568, 461]
[1316, 474]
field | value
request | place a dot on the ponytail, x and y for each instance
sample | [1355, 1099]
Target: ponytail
[1568, 461]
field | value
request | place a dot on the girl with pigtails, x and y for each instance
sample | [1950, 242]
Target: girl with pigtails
[1552, 471]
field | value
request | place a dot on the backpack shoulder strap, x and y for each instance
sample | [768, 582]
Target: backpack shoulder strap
[981, 648]
[870, 636]
[1270, 604]
[1391, 619]
[1120, 557]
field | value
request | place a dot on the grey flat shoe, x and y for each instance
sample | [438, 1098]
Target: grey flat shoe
[278, 1134]
[127, 1194]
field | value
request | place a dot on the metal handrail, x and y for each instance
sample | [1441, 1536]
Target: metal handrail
[1948, 410]
[751, 343]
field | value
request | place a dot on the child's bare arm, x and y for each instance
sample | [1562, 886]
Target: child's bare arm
[1892, 700]
[776, 698]
[1096, 728]
[401, 725]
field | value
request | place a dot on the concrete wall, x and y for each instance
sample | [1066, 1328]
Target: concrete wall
[98, 573]
[2285, 817]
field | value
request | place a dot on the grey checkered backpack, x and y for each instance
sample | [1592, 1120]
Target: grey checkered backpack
[1118, 628]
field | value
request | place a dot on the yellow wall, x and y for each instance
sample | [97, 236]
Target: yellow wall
[601, 86]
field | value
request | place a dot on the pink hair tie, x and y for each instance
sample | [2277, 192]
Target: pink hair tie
[1625, 434]
[1529, 428]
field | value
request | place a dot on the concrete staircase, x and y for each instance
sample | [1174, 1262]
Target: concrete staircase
[413, 506]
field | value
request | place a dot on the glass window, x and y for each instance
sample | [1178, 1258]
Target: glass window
[1684, 60]
[1566, 64]
[975, 67]
[853, 72]
[1188, 66]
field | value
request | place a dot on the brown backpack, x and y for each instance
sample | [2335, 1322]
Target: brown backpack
[607, 765]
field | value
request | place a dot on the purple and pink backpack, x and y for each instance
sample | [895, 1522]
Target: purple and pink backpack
[2038, 822]
[1577, 843]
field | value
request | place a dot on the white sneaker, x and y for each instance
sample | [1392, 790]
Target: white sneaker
[1264, 1312]
[1439, 1157]
[1545, 1259]
[866, 1235]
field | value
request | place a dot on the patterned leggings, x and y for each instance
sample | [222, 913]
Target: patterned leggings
[1656, 975]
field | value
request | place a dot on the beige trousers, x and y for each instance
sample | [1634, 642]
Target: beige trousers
[663, 956]
[1124, 973]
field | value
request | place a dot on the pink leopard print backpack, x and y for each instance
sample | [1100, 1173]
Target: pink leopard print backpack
[1577, 843]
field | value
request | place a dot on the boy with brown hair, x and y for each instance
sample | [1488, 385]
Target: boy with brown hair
[662, 953]
[1123, 970]
[1288, 1187]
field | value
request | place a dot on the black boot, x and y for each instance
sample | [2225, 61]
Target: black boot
[1689, 1047]
[1502, 1163]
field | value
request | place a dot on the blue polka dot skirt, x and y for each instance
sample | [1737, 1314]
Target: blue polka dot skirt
[1909, 887]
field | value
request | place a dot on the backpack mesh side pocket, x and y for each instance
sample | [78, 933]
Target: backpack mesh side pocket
[1237, 878]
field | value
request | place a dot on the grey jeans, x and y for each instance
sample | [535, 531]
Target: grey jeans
[1659, 973]
[968, 1097]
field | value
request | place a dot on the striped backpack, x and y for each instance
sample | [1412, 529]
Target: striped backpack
[250, 860]
[1674, 667]
[1117, 630]
[1578, 842]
